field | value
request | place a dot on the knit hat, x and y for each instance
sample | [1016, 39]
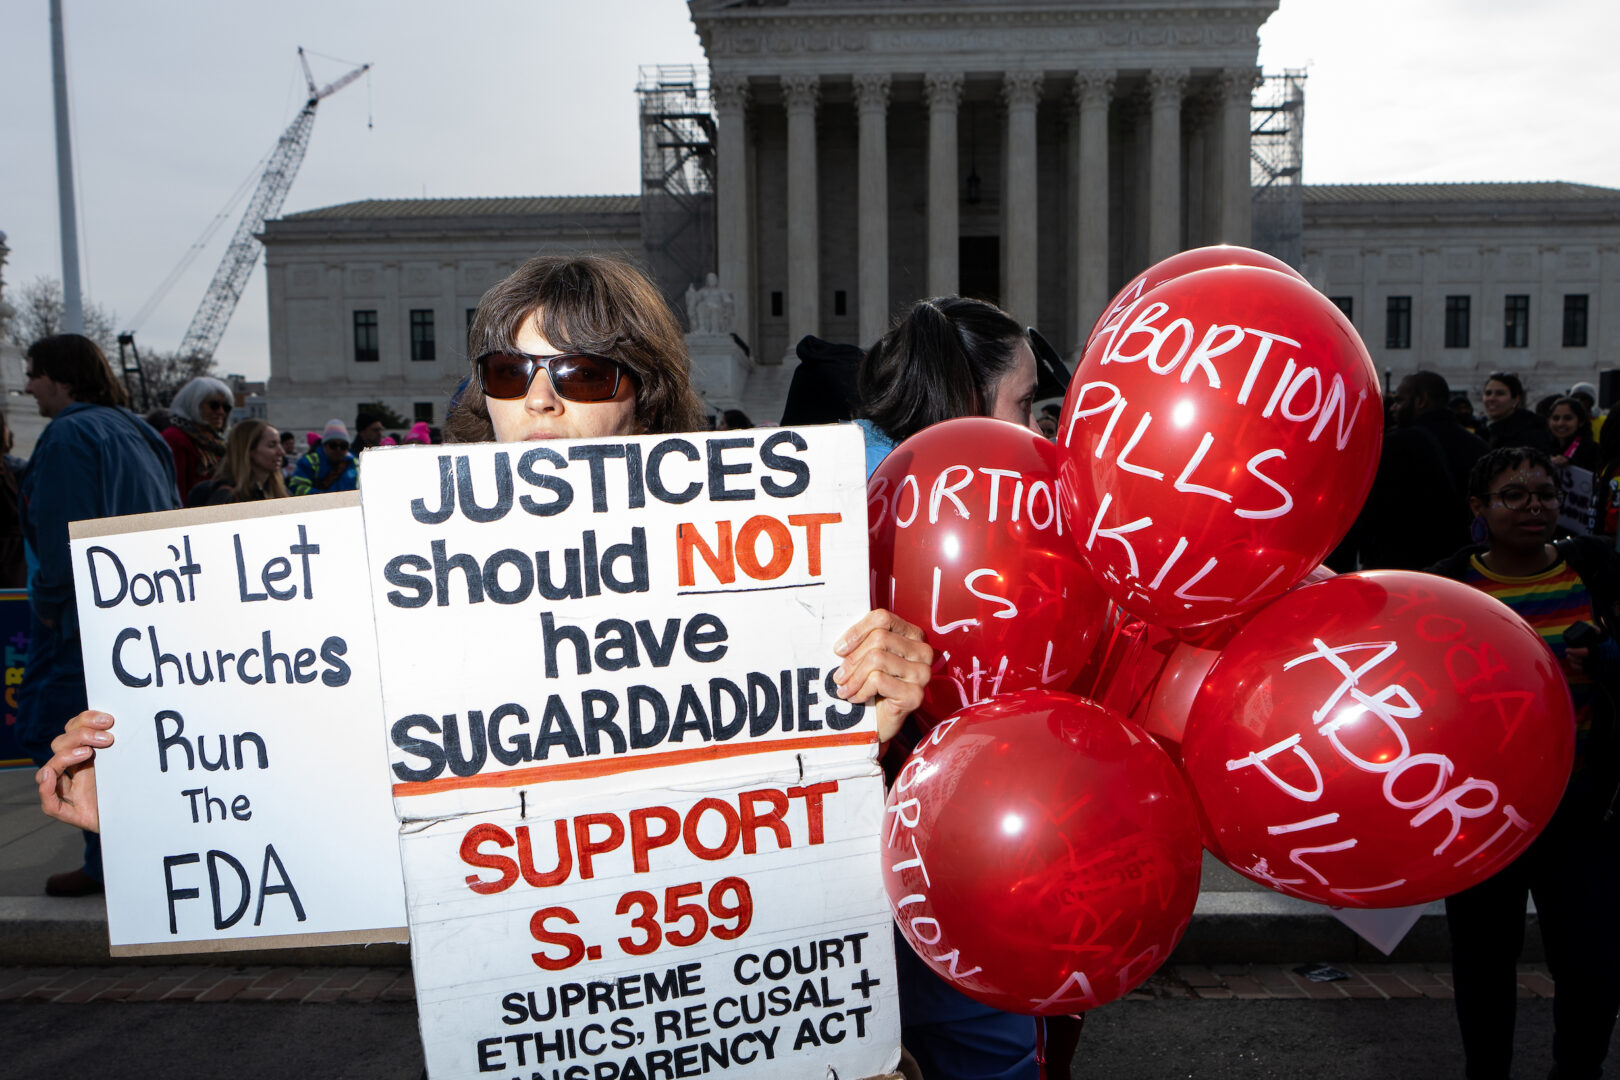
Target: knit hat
[313, 439]
[1584, 388]
[419, 433]
[335, 432]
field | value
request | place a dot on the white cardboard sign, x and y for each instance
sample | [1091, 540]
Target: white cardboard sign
[640, 830]
[244, 803]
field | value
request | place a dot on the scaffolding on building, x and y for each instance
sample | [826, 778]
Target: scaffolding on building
[677, 177]
[1276, 162]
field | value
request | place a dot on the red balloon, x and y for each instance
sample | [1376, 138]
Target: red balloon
[968, 542]
[1185, 262]
[1217, 443]
[1379, 739]
[1156, 680]
[1159, 672]
[1042, 855]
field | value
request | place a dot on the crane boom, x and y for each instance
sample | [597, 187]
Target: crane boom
[219, 302]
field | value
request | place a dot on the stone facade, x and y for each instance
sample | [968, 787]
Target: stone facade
[1038, 155]
[355, 291]
[1428, 271]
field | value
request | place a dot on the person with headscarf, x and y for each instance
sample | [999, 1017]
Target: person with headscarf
[195, 434]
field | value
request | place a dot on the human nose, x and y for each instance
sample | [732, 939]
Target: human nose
[541, 397]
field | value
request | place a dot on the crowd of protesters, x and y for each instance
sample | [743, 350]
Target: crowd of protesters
[1452, 494]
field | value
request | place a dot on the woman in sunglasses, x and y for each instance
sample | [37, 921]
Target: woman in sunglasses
[1568, 591]
[197, 418]
[567, 348]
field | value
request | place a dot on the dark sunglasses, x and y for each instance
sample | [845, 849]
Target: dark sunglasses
[584, 378]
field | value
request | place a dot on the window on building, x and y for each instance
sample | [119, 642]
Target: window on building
[1574, 320]
[1398, 322]
[840, 302]
[423, 411]
[1346, 304]
[422, 334]
[776, 304]
[365, 337]
[1516, 321]
[1457, 322]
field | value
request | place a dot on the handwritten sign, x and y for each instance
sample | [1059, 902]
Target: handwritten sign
[640, 830]
[1577, 504]
[245, 802]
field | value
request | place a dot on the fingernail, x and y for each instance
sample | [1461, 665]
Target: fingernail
[98, 738]
[842, 647]
[838, 675]
[80, 751]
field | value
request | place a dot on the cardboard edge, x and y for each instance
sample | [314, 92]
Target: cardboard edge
[395, 935]
[207, 515]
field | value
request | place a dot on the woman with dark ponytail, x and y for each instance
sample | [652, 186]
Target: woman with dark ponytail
[949, 357]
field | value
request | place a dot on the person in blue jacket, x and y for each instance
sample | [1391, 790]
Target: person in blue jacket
[95, 459]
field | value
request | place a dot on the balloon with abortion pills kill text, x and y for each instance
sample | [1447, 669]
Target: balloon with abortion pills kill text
[1040, 853]
[1216, 442]
[1185, 262]
[967, 542]
[1379, 739]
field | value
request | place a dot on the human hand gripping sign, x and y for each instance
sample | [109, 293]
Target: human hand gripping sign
[1218, 439]
[1379, 739]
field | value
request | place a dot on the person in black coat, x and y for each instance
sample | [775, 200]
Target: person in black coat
[1508, 422]
[1417, 510]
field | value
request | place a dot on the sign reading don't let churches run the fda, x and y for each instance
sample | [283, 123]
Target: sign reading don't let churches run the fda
[640, 830]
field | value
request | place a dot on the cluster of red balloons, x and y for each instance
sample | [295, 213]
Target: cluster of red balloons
[1140, 655]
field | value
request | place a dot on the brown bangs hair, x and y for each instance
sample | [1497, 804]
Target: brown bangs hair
[79, 362]
[586, 303]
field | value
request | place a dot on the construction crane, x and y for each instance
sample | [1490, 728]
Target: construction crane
[218, 304]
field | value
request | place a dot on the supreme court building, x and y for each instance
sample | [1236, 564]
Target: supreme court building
[1039, 153]
[845, 158]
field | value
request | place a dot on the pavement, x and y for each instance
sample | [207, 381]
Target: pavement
[1234, 1000]
[1236, 921]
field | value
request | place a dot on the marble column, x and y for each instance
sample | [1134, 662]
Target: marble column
[944, 92]
[733, 237]
[801, 93]
[1236, 88]
[1165, 87]
[1021, 92]
[1093, 90]
[872, 105]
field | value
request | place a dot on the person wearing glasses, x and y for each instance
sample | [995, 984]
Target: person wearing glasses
[94, 459]
[1507, 421]
[197, 418]
[1568, 591]
[328, 466]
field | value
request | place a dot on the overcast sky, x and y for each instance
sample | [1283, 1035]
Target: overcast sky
[174, 104]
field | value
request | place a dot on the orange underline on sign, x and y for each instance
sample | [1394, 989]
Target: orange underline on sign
[580, 770]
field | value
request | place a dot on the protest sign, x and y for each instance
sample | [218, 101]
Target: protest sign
[1577, 506]
[244, 803]
[15, 629]
[640, 830]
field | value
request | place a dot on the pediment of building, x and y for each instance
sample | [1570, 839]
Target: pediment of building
[765, 37]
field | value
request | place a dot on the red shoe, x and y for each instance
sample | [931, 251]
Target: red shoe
[73, 883]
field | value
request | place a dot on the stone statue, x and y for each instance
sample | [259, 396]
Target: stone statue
[709, 310]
